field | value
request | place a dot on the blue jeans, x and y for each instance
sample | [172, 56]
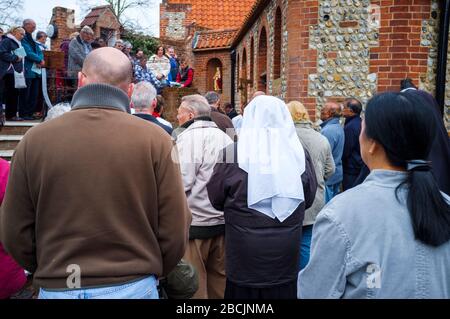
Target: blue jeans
[331, 191]
[305, 246]
[141, 289]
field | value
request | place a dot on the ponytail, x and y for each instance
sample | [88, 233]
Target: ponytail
[429, 211]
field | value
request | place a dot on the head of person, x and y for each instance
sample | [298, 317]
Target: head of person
[213, 99]
[127, 47]
[396, 134]
[192, 106]
[407, 84]
[228, 107]
[184, 63]
[29, 25]
[160, 51]
[107, 66]
[139, 54]
[17, 32]
[352, 107]
[171, 51]
[159, 108]
[298, 111]
[329, 110]
[119, 45]
[87, 34]
[143, 98]
[41, 37]
[57, 110]
[95, 45]
[143, 61]
[101, 42]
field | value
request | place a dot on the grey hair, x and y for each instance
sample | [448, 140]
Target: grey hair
[57, 110]
[196, 104]
[27, 21]
[212, 97]
[127, 44]
[87, 30]
[143, 94]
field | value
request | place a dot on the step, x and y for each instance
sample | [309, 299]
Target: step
[9, 142]
[18, 128]
[7, 154]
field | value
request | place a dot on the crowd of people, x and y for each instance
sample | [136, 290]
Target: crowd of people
[22, 60]
[108, 201]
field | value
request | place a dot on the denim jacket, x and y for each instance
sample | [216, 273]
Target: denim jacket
[334, 132]
[363, 246]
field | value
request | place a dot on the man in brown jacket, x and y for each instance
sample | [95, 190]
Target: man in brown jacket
[95, 205]
[221, 119]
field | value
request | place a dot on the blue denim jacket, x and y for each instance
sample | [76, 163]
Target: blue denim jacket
[363, 246]
[334, 132]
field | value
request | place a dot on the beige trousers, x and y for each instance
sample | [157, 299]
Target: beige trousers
[208, 257]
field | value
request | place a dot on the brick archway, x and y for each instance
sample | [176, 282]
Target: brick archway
[262, 75]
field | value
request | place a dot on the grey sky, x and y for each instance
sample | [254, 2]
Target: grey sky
[41, 12]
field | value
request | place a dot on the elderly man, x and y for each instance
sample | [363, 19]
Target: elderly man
[221, 120]
[34, 61]
[333, 131]
[79, 48]
[144, 103]
[351, 157]
[95, 206]
[119, 45]
[199, 145]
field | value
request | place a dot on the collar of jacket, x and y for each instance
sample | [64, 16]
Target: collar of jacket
[29, 38]
[333, 120]
[200, 118]
[101, 96]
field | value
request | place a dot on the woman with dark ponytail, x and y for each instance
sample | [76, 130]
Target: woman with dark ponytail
[390, 236]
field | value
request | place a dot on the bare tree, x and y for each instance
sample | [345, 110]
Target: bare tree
[9, 12]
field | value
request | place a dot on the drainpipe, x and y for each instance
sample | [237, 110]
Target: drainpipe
[441, 70]
[233, 76]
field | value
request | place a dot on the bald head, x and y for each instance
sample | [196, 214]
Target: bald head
[257, 93]
[329, 110]
[107, 66]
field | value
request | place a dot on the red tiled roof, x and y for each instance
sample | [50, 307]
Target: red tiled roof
[93, 16]
[217, 15]
[252, 14]
[213, 39]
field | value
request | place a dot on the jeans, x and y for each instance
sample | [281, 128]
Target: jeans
[142, 289]
[305, 245]
[331, 191]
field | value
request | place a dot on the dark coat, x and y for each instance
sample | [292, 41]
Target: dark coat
[7, 57]
[153, 119]
[351, 157]
[260, 252]
[223, 122]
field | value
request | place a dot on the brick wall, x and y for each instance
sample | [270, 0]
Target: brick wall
[174, 20]
[203, 80]
[337, 49]
[64, 19]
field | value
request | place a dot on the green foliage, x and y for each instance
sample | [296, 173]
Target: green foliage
[141, 41]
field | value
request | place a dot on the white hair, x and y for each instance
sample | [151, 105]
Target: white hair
[87, 30]
[144, 94]
[196, 104]
[57, 110]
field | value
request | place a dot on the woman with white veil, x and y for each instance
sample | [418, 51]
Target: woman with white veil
[263, 183]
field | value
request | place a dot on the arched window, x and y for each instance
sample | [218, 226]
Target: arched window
[252, 62]
[214, 75]
[244, 66]
[262, 61]
[277, 46]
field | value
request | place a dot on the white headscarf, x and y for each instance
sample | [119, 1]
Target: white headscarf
[271, 153]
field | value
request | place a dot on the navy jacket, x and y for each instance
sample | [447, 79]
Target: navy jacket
[153, 119]
[7, 57]
[351, 158]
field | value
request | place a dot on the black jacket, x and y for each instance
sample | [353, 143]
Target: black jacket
[7, 57]
[153, 119]
[351, 157]
[260, 252]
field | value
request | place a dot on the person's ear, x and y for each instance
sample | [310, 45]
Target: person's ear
[154, 102]
[130, 90]
[81, 79]
[373, 148]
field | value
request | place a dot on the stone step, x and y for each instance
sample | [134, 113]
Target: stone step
[7, 154]
[9, 142]
[18, 128]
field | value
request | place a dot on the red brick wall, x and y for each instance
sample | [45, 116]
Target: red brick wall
[400, 54]
[60, 18]
[202, 77]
